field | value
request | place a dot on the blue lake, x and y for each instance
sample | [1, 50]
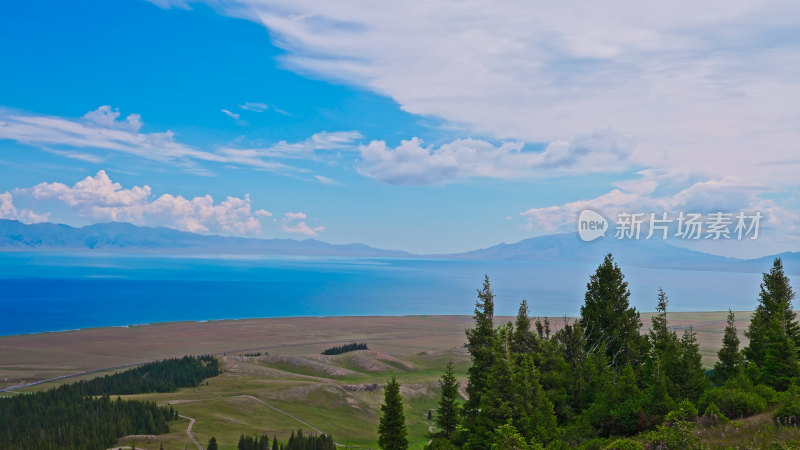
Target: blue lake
[59, 291]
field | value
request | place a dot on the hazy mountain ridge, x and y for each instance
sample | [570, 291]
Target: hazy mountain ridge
[557, 248]
[15, 235]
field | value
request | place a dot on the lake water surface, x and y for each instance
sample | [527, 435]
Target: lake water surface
[58, 291]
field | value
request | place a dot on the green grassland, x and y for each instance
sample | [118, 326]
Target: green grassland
[293, 386]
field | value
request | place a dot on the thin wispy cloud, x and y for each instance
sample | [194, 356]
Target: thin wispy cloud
[231, 115]
[103, 130]
[699, 85]
[255, 107]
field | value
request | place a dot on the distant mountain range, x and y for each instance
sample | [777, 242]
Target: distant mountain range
[556, 248]
[15, 235]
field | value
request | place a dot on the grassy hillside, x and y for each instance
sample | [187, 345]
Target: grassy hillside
[292, 386]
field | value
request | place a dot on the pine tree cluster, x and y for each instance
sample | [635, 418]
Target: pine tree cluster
[82, 415]
[339, 349]
[297, 441]
[600, 380]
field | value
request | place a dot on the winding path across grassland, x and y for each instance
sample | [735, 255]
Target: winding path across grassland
[189, 432]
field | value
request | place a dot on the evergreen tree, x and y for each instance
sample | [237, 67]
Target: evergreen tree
[531, 410]
[274, 442]
[660, 334]
[506, 437]
[780, 362]
[730, 359]
[666, 352]
[392, 433]
[480, 343]
[523, 340]
[775, 303]
[212, 444]
[608, 319]
[495, 403]
[619, 406]
[660, 401]
[691, 381]
[578, 377]
[447, 412]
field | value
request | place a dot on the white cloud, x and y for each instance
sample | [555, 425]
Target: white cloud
[325, 180]
[290, 224]
[719, 195]
[265, 157]
[600, 150]
[302, 228]
[232, 115]
[102, 130]
[99, 129]
[106, 117]
[254, 106]
[9, 211]
[99, 199]
[295, 215]
[709, 88]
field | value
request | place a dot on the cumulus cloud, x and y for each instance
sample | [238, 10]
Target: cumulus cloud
[294, 215]
[706, 87]
[719, 195]
[99, 199]
[106, 117]
[302, 228]
[294, 222]
[9, 211]
[600, 150]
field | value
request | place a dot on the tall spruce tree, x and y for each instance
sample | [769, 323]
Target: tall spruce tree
[607, 318]
[660, 334]
[447, 412]
[730, 358]
[480, 344]
[775, 303]
[392, 432]
[495, 408]
[780, 361]
[666, 352]
[532, 412]
[523, 340]
[691, 380]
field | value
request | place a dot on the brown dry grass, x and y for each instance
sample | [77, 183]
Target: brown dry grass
[751, 432]
[34, 357]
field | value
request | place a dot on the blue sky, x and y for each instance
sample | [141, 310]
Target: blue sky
[390, 125]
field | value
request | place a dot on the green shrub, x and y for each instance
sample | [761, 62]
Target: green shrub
[733, 403]
[685, 411]
[441, 444]
[625, 444]
[713, 416]
[766, 392]
[788, 413]
[677, 435]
